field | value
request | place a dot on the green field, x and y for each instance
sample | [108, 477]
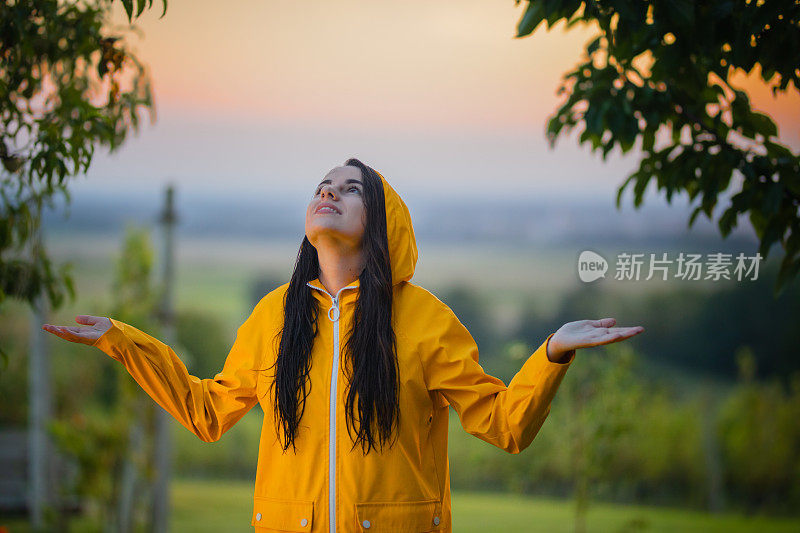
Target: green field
[196, 504]
[214, 275]
[211, 506]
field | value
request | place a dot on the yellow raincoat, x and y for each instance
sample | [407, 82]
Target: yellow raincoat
[324, 487]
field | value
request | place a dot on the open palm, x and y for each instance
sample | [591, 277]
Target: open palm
[586, 333]
[88, 334]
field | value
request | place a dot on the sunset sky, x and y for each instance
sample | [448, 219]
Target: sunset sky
[265, 96]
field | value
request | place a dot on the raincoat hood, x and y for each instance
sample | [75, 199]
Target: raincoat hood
[400, 234]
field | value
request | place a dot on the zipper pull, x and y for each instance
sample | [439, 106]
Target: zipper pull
[335, 309]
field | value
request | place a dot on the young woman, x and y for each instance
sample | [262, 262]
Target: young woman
[355, 368]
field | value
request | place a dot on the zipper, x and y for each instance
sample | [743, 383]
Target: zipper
[332, 407]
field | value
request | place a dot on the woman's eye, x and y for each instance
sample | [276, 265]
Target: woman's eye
[354, 188]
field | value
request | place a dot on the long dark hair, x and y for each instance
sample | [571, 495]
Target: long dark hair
[370, 351]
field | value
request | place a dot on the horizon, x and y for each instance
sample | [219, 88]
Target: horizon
[441, 101]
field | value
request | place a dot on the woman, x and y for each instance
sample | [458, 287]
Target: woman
[350, 335]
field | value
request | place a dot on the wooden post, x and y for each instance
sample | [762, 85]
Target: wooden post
[714, 481]
[163, 444]
[129, 477]
[39, 411]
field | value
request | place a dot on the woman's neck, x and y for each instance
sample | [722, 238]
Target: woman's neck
[338, 269]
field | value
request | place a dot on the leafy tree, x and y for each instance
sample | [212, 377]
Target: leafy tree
[660, 71]
[603, 399]
[111, 439]
[471, 309]
[760, 440]
[66, 85]
[206, 342]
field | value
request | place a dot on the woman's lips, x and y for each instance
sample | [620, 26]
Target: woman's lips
[327, 209]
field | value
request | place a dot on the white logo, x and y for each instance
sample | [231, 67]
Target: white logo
[628, 266]
[591, 266]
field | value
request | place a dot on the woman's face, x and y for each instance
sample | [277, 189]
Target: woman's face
[336, 211]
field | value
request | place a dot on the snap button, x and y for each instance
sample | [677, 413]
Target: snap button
[365, 523]
[258, 516]
[304, 522]
[435, 520]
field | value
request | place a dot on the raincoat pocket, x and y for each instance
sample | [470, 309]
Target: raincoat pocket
[401, 517]
[283, 515]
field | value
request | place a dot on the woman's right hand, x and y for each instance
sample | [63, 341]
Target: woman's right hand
[96, 326]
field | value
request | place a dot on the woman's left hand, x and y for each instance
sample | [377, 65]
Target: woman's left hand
[586, 333]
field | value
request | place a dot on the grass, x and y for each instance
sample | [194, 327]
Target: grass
[211, 505]
[223, 505]
[472, 512]
[197, 506]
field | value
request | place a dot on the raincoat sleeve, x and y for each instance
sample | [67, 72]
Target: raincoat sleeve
[508, 417]
[206, 407]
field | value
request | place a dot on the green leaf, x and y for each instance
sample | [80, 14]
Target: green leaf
[554, 126]
[697, 211]
[128, 8]
[778, 150]
[534, 14]
[788, 271]
[640, 188]
[764, 124]
[772, 199]
[648, 140]
[594, 45]
[793, 241]
[758, 221]
[728, 221]
[772, 234]
[621, 189]
[676, 133]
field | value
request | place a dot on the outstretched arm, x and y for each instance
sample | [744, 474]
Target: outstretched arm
[508, 417]
[206, 407]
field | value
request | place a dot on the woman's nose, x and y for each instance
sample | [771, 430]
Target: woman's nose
[326, 191]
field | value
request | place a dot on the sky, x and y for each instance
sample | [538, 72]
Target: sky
[266, 96]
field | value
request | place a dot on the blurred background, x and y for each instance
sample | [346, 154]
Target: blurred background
[690, 426]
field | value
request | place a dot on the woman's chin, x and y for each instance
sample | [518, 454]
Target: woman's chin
[332, 234]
